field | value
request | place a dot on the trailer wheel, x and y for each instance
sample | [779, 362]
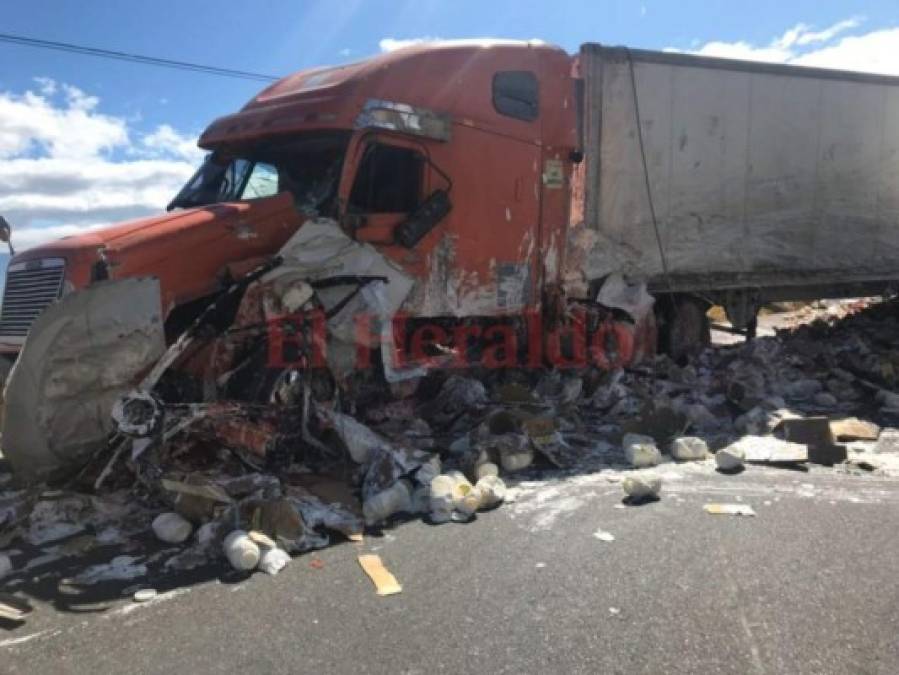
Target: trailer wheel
[685, 327]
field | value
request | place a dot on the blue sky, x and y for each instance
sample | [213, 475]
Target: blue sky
[281, 36]
[136, 123]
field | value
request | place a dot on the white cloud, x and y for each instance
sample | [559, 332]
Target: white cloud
[806, 36]
[874, 52]
[65, 166]
[70, 128]
[831, 47]
[166, 142]
[391, 44]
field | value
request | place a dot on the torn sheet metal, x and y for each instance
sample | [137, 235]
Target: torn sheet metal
[321, 250]
[633, 298]
[82, 354]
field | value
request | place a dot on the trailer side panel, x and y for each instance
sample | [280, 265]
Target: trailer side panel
[758, 175]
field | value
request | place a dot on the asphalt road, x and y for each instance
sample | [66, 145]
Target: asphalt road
[807, 586]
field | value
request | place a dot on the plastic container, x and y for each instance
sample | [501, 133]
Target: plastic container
[241, 551]
[273, 560]
[172, 528]
[487, 469]
[396, 498]
[441, 500]
[492, 491]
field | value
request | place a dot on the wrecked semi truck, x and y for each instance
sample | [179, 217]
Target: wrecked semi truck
[497, 202]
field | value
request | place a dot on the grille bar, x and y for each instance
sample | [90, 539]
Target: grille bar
[30, 288]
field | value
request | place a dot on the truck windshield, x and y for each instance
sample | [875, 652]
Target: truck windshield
[307, 167]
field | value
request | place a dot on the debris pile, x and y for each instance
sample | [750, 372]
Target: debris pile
[251, 464]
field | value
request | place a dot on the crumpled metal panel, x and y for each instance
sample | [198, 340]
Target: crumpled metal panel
[82, 354]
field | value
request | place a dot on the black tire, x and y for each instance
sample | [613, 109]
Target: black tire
[685, 327]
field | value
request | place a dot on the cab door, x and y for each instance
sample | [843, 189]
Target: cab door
[387, 181]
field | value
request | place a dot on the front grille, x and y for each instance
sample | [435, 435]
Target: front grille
[30, 287]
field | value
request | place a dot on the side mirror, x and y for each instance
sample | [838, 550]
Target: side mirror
[6, 234]
[421, 221]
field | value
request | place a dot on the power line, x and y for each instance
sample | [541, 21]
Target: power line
[134, 58]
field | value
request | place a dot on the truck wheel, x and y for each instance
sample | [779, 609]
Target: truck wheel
[685, 327]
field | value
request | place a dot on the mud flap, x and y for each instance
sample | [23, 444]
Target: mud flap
[81, 355]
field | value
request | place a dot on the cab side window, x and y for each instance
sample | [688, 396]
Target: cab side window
[389, 180]
[515, 94]
[262, 182]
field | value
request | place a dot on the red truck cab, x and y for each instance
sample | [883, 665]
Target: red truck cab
[479, 136]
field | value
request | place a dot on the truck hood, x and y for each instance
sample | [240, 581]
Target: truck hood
[188, 251]
[132, 230]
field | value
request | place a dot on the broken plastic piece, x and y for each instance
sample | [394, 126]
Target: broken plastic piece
[730, 459]
[13, 608]
[5, 565]
[689, 449]
[385, 583]
[515, 453]
[172, 528]
[492, 491]
[729, 509]
[273, 560]
[641, 451]
[386, 503]
[768, 449]
[602, 535]
[642, 487]
[632, 298]
[442, 498]
[144, 595]
[487, 469]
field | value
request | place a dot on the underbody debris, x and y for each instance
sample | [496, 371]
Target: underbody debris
[227, 456]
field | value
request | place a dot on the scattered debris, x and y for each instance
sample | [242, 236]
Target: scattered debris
[602, 535]
[761, 450]
[730, 459]
[689, 448]
[854, 429]
[172, 528]
[120, 568]
[817, 434]
[384, 581]
[888, 442]
[642, 487]
[5, 565]
[492, 491]
[395, 499]
[233, 461]
[641, 451]
[273, 560]
[13, 608]
[729, 509]
[242, 552]
[144, 595]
